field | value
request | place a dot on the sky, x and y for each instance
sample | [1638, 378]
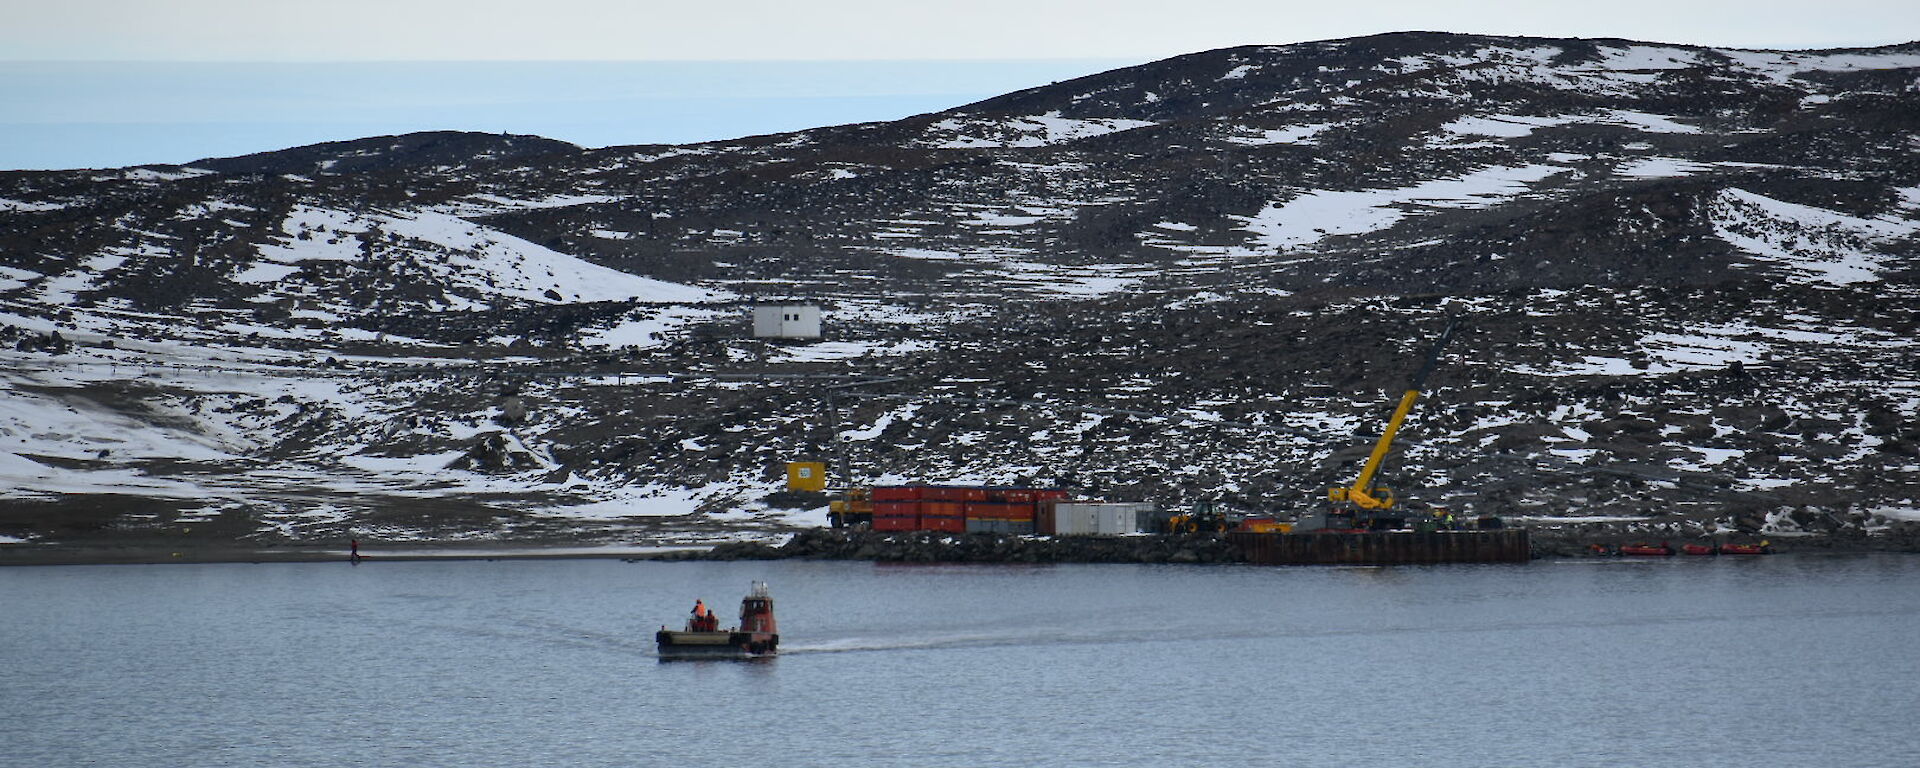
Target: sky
[61, 115]
[108, 83]
[683, 30]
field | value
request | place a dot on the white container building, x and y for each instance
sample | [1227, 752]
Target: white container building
[786, 321]
[1098, 518]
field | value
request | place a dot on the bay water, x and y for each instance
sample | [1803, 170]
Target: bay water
[1782, 660]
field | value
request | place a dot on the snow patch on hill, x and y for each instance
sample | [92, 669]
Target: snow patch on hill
[1504, 126]
[648, 327]
[1711, 346]
[996, 273]
[1033, 131]
[1318, 214]
[1813, 245]
[1783, 67]
[1518, 126]
[23, 478]
[1658, 168]
[467, 258]
[1644, 121]
[1620, 69]
[1645, 57]
[828, 351]
[1292, 134]
[1909, 198]
[1086, 281]
[24, 205]
[483, 204]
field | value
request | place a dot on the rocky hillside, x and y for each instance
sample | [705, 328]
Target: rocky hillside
[1686, 278]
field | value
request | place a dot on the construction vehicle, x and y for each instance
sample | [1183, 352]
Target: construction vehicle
[855, 510]
[1202, 518]
[1363, 505]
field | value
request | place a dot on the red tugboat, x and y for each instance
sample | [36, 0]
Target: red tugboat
[758, 634]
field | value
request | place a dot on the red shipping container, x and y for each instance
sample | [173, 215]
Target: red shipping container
[896, 516]
[899, 493]
[1050, 493]
[1015, 495]
[949, 524]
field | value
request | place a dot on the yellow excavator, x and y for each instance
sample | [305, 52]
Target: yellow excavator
[1367, 506]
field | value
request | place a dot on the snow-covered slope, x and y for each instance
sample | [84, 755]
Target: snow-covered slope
[473, 264]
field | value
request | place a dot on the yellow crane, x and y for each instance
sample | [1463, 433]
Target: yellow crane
[1362, 499]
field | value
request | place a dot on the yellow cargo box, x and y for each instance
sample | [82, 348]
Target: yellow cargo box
[806, 476]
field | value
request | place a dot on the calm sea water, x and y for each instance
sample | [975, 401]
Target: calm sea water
[1788, 660]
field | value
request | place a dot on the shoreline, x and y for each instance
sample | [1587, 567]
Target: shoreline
[826, 544]
[27, 555]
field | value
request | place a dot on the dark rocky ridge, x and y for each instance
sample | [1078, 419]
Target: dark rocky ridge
[411, 152]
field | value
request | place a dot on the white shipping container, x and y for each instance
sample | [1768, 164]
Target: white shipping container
[1073, 518]
[1097, 518]
[1120, 518]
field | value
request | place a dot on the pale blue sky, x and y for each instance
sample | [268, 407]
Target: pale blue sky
[110, 114]
[307, 30]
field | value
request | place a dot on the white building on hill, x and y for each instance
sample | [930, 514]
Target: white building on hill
[786, 321]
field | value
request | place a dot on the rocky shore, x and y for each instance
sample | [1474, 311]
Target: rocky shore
[1578, 540]
[934, 547]
[1548, 541]
[931, 547]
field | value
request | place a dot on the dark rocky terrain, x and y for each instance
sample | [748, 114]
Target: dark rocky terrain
[1686, 276]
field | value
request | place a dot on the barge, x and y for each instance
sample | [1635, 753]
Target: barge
[758, 634]
[1506, 545]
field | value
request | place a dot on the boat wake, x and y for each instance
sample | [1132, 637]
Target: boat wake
[968, 640]
[864, 644]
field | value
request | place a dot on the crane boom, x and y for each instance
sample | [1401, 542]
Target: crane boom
[1362, 492]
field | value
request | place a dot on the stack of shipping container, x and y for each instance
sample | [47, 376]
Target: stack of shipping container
[958, 509]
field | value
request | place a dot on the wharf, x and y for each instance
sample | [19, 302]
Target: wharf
[1383, 548]
[1511, 545]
